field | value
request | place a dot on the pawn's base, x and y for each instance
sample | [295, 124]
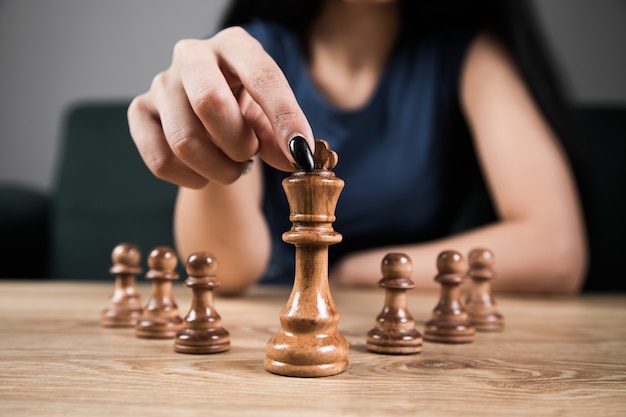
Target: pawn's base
[158, 327]
[449, 331]
[394, 342]
[487, 322]
[120, 317]
[213, 340]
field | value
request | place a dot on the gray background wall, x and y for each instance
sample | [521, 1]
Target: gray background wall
[53, 53]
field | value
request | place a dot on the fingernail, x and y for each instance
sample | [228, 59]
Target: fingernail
[248, 167]
[301, 153]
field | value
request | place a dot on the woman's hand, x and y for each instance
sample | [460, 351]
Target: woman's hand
[222, 101]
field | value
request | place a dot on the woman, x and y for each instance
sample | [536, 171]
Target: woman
[418, 100]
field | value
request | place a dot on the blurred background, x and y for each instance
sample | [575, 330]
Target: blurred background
[72, 184]
[54, 53]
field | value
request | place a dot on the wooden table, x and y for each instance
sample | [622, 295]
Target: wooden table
[557, 356]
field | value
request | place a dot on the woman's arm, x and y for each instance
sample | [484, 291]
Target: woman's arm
[226, 220]
[539, 244]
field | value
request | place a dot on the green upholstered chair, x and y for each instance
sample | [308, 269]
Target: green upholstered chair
[103, 195]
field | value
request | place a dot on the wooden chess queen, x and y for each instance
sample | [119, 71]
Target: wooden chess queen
[308, 343]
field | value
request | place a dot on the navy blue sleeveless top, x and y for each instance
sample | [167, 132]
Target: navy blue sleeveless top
[404, 155]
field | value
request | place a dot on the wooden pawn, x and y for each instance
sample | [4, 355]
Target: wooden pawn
[160, 319]
[124, 307]
[394, 331]
[449, 322]
[202, 330]
[481, 305]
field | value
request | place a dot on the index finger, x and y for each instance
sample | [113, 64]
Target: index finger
[244, 58]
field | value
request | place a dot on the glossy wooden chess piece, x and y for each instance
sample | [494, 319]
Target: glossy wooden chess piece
[481, 305]
[202, 330]
[308, 343]
[160, 319]
[124, 308]
[394, 331]
[450, 322]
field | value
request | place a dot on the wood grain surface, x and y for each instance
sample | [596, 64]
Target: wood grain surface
[556, 357]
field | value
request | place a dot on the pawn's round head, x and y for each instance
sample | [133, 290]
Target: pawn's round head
[396, 265]
[480, 258]
[450, 262]
[201, 264]
[126, 254]
[162, 258]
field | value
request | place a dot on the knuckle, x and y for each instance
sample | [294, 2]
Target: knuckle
[234, 33]
[243, 153]
[159, 81]
[135, 107]
[160, 165]
[140, 104]
[272, 82]
[183, 143]
[239, 150]
[267, 79]
[282, 115]
[163, 167]
[211, 99]
[183, 48]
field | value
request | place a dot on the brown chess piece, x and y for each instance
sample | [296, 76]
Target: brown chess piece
[395, 331]
[308, 343]
[481, 305]
[202, 330]
[450, 322]
[160, 319]
[124, 308]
